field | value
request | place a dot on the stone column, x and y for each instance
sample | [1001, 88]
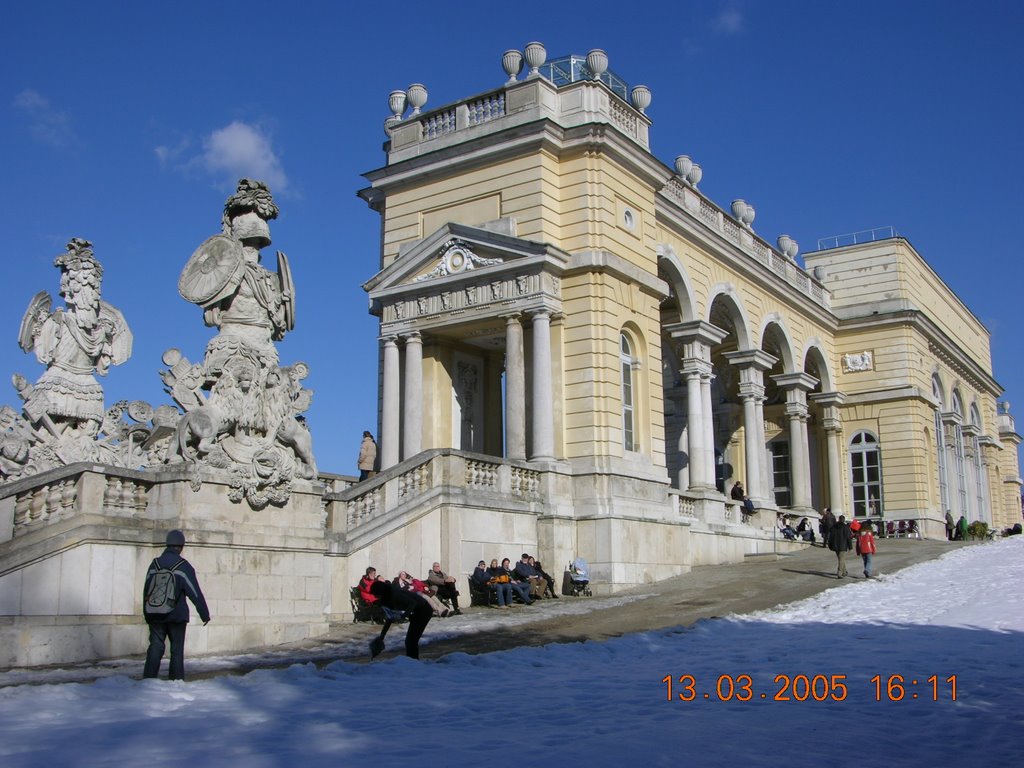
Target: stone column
[543, 394]
[695, 429]
[762, 452]
[752, 363]
[697, 338]
[797, 385]
[389, 441]
[751, 452]
[709, 430]
[829, 403]
[799, 465]
[515, 390]
[835, 469]
[412, 436]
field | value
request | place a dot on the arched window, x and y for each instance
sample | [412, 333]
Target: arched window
[940, 447]
[866, 475]
[958, 454]
[628, 416]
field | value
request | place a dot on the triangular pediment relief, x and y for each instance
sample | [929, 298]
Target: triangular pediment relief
[457, 252]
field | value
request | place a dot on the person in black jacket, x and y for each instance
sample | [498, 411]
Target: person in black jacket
[171, 625]
[401, 601]
[840, 541]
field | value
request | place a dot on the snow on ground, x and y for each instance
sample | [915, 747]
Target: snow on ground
[603, 703]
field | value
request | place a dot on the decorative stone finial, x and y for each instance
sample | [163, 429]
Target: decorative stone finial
[597, 63]
[743, 212]
[396, 103]
[688, 171]
[416, 95]
[512, 62]
[789, 247]
[641, 97]
[536, 55]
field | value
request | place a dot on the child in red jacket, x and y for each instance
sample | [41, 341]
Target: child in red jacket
[866, 548]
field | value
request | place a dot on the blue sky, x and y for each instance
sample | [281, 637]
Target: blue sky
[128, 124]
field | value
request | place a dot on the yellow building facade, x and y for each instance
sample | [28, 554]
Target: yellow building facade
[550, 292]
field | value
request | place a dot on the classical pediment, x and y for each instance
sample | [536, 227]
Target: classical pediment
[461, 272]
[454, 251]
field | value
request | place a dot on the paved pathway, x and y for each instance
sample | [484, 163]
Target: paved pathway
[704, 592]
[707, 591]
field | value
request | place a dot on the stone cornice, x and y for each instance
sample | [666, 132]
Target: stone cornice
[690, 227]
[826, 399]
[542, 132]
[943, 347]
[888, 395]
[803, 382]
[609, 263]
[695, 331]
[752, 358]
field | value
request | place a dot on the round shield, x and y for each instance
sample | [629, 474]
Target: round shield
[215, 269]
[37, 312]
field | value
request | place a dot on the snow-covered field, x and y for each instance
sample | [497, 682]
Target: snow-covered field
[811, 683]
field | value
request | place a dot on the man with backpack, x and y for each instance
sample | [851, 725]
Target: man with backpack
[169, 580]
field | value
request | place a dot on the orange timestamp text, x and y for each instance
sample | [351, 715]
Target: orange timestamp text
[809, 688]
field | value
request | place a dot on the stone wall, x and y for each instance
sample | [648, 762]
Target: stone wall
[79, 541]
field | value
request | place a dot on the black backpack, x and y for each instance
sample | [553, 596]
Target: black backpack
[162, 595]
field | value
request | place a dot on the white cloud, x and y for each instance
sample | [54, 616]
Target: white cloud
[729, 21]
[47, 124]
[172, 156]
[240, 150]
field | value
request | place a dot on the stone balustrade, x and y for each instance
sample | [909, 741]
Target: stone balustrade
[570, 104]
[401, 490]
[65, 492]
[709, 214]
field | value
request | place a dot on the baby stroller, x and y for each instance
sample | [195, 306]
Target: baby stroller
[579, 578]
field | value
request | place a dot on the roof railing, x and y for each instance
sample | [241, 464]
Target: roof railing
[856, 238]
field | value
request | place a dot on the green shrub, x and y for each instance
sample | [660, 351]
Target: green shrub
[977, 530]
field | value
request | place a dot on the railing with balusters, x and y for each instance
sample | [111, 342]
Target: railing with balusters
[61, 494]
[710, 215]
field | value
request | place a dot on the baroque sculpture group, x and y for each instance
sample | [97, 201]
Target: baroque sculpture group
[240, 411]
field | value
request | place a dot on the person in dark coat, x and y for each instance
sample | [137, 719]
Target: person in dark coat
[172, 625]
[402, 601]
[840, 541]
[825, 526]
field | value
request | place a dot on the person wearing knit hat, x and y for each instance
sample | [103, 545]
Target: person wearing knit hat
[169, 580]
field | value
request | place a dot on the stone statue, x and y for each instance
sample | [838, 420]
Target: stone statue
[63, 419]
[242, 410]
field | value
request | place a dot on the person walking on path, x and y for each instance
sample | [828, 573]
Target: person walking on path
[367, 456]
[169, 580]
[865, 546]
[950, 525]
[840, 541]
[825, 526]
